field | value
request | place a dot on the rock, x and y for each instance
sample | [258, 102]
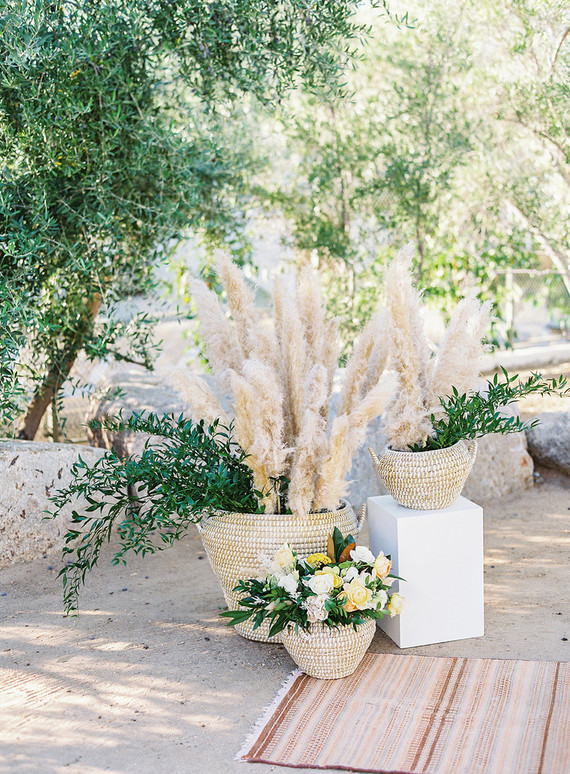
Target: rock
[549, 441]
[31, 472]
[502, 466]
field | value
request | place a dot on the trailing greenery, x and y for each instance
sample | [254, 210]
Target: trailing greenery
[186, 470]
[344, 587]
[475, 414]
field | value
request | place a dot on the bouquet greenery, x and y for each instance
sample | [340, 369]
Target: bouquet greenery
[343, 587]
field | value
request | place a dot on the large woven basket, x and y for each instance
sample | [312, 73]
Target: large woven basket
[234, 541]
[426, 480]
[329, 653]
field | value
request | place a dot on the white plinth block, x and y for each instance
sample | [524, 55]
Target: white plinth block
[440, 555]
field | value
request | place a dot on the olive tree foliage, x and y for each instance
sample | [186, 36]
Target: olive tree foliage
[120, 131]
[536, 114]
[429, 148]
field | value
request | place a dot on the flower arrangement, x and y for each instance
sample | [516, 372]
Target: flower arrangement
[344, 587]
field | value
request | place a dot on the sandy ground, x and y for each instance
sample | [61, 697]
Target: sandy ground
[149, 680]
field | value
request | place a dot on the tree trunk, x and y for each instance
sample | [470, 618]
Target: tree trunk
[52, 383]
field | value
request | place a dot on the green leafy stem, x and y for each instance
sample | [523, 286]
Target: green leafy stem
[475, 414]
[185, 471]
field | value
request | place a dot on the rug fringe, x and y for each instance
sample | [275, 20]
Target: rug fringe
[267, 712]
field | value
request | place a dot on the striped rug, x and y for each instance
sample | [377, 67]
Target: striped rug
[412, 714]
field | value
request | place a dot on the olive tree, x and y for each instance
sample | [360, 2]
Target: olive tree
[116, 138]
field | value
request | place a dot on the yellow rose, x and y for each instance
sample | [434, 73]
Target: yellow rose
[358, 594]
[382, 565]
[284, 556]
[335, 572]
[395, 605]
[346, 603]
[315, 559]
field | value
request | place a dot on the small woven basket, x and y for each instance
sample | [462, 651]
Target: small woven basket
[234, 541]
[328, 653]
[426, 480]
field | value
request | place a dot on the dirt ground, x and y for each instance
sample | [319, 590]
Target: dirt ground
[149, 680]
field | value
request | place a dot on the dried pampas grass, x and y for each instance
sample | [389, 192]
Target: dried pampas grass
[311, 442]
[459, 356]
[196, 392]
[423, 379]
[280, 381]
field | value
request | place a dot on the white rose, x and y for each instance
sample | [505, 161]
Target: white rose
[321, 584]
[362, 554]
[284, 556]
[288, 583]
[350, 574]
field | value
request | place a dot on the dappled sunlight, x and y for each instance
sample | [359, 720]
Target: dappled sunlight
[92, 700]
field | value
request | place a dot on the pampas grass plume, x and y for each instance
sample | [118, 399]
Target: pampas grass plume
[202, 402]
[223, 349]
[311, 442]
[459, 357]
[406, 419]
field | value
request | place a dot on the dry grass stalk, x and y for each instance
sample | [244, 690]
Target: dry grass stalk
[196, 392]
[331, 485]
[255, 340]
[281, 384]
[267, 446]
[421, 380]
[312, 312]
[245, 425]
[366, 364]
[458, 360]
[223, 348]
[331, 349]
[311, 443]
[379, 354]
[406, 419]
[293, 356]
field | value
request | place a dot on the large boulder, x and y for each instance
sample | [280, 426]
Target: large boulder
[502, 466]
[549, 441]
[31, 472]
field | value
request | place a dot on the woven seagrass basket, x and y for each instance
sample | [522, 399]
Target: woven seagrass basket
[328, 653]
[234, 541]
[426, 480]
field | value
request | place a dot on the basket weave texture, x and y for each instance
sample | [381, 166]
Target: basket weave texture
[328, 653]
[426, 480]
[234, 541]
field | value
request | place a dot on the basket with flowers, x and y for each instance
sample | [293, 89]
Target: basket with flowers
[324, 606]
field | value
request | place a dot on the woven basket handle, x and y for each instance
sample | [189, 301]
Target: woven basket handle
[361, 516]
[374, 456]
[472, 450]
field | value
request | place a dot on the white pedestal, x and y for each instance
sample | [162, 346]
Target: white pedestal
[440, 555]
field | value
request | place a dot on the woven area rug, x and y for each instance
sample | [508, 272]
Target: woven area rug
[411, 714]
